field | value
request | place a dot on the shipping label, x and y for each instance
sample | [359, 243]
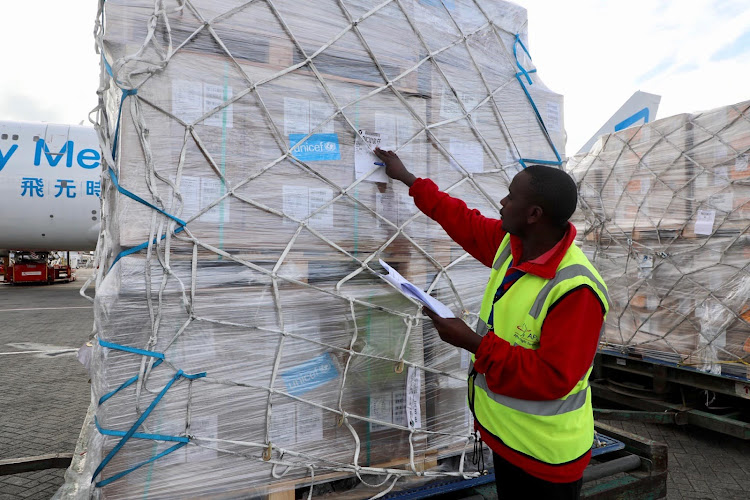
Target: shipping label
[317, 147]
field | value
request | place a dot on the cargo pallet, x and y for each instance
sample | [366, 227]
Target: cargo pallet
[623, 466]
[666, 393]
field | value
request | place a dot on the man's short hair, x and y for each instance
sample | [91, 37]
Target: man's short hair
[555, 191]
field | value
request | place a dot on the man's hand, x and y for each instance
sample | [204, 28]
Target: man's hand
[394, 168]
[455, 331]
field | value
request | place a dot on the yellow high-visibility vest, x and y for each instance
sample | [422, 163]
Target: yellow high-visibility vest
[556, 431]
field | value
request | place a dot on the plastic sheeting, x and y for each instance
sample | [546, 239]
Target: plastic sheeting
[238, 289]
[665, 211]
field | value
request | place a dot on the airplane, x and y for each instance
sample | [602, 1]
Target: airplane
[50, 185]
[639, 109]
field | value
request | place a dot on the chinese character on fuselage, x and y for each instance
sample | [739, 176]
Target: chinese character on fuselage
[67, 185]
[93, 188]
[31, 186]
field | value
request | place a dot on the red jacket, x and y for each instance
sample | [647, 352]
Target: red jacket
[570, 332]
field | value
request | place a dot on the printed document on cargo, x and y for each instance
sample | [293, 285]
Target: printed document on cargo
[409, 290]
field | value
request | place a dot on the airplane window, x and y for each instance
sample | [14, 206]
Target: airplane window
[36, 138]
[15, 137]
[4, 136]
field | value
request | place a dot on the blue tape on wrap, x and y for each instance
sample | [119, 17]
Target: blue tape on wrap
[105, 482]
[140, 435]
[526, 73]
[135, 426]
[134, 350]
[126, 435]
[113, 176]
[137, 198]
[140, 247]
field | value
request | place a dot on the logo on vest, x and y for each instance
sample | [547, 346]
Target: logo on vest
[525, 336]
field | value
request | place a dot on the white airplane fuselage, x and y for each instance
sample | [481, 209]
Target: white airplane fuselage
[50, 184]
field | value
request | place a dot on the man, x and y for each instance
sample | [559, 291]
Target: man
[538, 330]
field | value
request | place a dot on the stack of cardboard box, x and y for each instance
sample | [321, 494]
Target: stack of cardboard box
[665, 217]
[313, 363]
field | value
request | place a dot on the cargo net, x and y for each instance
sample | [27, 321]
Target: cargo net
[246, 343]
[665, 211]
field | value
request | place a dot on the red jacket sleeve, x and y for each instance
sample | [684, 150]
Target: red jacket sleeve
[570, 337]
[480, 236]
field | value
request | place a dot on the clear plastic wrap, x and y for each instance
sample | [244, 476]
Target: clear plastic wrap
[249, 260]
[665, 211]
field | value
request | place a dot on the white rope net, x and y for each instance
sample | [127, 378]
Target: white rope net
[252, 252]
[665, 212]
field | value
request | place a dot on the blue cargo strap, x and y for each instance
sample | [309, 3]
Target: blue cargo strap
[526, 73]
[126, 435]
[129, 194]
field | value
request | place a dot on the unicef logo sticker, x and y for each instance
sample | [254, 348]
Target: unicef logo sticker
[330, 147]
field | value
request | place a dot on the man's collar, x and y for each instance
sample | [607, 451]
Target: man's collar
[544, 266]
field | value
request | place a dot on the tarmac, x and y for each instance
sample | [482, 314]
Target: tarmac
[46, 393]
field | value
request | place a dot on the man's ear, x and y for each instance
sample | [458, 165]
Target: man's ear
[535, 214]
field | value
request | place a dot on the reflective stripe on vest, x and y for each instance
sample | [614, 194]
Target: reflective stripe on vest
[563, 274]
[541, 408]
[501, 258]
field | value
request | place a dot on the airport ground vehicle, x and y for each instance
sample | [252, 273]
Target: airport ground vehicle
[38, 267]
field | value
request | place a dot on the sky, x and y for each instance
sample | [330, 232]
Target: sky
[596, 53]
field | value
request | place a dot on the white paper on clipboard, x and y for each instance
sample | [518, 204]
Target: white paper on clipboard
[409, 290]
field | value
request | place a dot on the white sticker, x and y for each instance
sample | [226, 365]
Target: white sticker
[721, 176]
[468, 154]
[742, 389]
[214, 96]
[723, 201]
[621, 361]
[296, 203]
[385, 206]
[740, 163]
[413, 398]
[464, 359]
[302, 116]
[704, 223]
[191, 100]
[320, 112]
[190, 190]
[406, 208]
[187, 100]
[296, 116]
[309, 423]
[553, 116]
[381, 408]
[386, 127]
[212, 190]
[365, 159]
[405, 131]
[283, 424]
[206, 427]
[645, 184]
[646, 261]
[319, 197]
[399, 407]
[449, 106]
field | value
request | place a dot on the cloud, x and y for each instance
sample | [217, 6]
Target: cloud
[663, 66]
[17, 106]
[736, 48]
